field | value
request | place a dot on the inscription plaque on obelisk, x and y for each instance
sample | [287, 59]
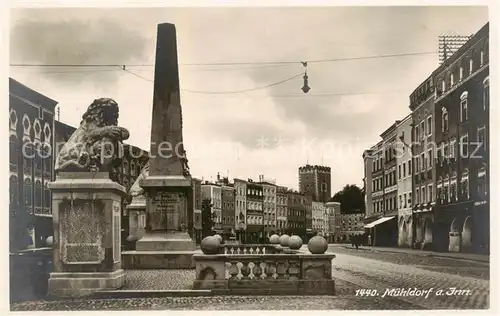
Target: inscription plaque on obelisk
[168, 184]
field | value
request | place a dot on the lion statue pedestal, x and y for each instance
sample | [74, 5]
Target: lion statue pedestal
[87, 207]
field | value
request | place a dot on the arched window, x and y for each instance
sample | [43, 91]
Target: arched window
[444, 119]
[446, 188]
[13, 192]
[38, 193]
[464, 114]
[28, 157]
[453, 187]
[464, 185]
[13, 152]
[482, 185]
[27, 192]
[439, 193]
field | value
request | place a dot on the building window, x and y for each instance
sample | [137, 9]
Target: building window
[400, 201]
[443, 86]
[444, 120]
[416, 132]
[453, 187]
[404, 169]
[429, 192]
[422, 129]
[481, 137]
[446, 184]
[409, 199]
[464, 185]
[461, 73]
[464, 146]
[453, 149]
[464, 115]
[471, 65]
[423, 161]
[404, 201]
[417, 196]
[424, 196]
[439, 193]
[486, 94]
[482, 189]
[482, 57]
[446, 150]
[409, 167]
[429, 125]
[452, 81]
[429, 156]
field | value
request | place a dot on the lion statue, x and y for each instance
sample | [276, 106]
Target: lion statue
[97, 143]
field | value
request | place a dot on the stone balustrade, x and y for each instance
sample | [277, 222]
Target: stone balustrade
[244, 249]
[265, 273]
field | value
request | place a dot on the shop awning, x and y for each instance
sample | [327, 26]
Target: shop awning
[378, 221]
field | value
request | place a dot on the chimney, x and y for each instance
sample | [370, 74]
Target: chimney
[218, 176]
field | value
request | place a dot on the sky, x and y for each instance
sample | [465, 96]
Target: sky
[270, 131]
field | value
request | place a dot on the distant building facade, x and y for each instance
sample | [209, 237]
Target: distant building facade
[319, 219]
[255, 213]
[404, 182]
[213, 192]
[240, 208]
[281, 209]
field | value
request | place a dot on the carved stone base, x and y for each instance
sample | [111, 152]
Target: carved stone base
[171, 241]
[158, 260]
[77, 284]
[137, 219]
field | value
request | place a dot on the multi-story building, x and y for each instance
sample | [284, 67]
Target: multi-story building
[213, 192]
[316, 181]
[240, 208]
[374, 182]
[197, 200]
[319, 218]
[462, 134]
[377, 171]
[228, 209]
[334, 221]
[423, 167]
[33, 126]
[351, 225]
[269, 206]
[388, 230]
[404, 182]
[281, 209]
[31, 143]
[296, 217]
[255, 216]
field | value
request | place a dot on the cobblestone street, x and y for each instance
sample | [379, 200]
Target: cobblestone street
[352, 269]
[381, 271]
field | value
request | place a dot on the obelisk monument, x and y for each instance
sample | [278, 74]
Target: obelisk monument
[168, 184]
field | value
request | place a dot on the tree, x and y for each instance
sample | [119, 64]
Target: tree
[351, 199]
[207, 218]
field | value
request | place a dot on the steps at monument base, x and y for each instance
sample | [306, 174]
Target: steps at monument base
[158, 259]
[123, 294]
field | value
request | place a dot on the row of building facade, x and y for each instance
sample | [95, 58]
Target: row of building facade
[251, 211]
[427, 180]
[248, 210]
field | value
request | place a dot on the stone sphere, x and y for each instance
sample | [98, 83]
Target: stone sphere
[284, 239]
[274, 239]
[295, 242]
[49, 241]
[210, 245]
[218, 237]
[317, 245]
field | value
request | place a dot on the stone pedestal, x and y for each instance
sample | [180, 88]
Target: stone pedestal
[167, 218]
[136, 211]
[86, 210]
